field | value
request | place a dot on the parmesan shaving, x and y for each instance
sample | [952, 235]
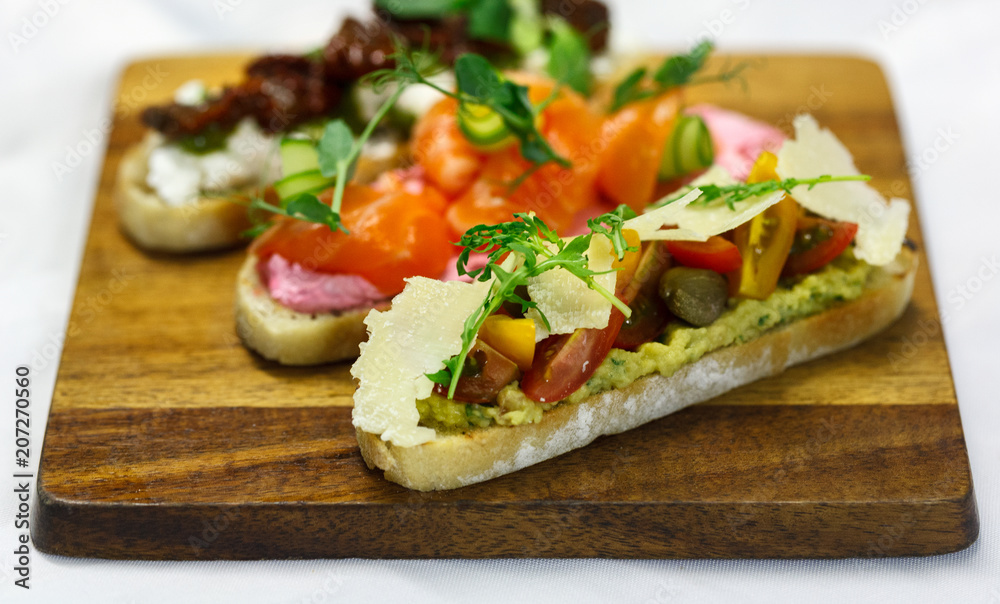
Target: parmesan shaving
[566, 301]
[716, 217]
[648, 225]
[699, 222]
[815, 152]
[413, 338]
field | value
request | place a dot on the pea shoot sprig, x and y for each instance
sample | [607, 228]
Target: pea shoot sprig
[675, 71]
[337, 152]
[539, 249]
[730, 194]
[479, 83]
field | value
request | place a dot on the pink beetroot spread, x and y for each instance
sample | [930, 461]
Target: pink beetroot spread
[306, 291]
[738, 141]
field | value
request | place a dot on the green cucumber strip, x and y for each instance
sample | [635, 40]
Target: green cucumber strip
[298, 155]
[482, 126]
[688, 148]
[311, 181]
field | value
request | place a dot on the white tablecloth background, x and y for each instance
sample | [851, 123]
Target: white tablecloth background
[57, 81]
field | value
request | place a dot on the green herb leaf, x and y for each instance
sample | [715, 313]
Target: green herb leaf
[421, 9]
[628, 89]
[489, 20]
[480, 83]
[256, 230]
[309, 208]
[442, 377]
[569, 56]
[678, 70]
[334, 147]
[477, 78]
[212, 138]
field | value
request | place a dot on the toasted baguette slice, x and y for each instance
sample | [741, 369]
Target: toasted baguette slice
[289, 337]
[206, 224]
[452, 461]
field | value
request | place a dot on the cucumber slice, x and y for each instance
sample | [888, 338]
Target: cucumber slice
[483, 127]
[311, 181]
[298, 155]
[688, 148]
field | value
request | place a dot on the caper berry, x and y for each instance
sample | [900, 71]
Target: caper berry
[695, 295]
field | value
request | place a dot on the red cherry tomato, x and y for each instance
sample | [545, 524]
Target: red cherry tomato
[564, 362]
[817, 242]
[717, 254]
[486, 373]
[649, 318]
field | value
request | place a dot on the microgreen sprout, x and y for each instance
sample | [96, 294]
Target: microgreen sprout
[675, 71]
[730, 194]
[539, 249]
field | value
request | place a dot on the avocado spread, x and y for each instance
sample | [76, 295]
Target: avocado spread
[744, 320]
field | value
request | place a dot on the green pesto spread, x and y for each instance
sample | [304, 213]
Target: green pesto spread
[744, 320]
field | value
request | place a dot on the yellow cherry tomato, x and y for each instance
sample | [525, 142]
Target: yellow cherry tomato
[513, 338]
[764, 241]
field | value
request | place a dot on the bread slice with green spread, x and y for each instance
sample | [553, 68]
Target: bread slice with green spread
[618, 401]
[444, 401]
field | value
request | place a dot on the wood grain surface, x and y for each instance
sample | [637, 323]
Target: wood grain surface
[167, 440]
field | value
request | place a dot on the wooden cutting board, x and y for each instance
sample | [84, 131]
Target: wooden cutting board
[166, 439]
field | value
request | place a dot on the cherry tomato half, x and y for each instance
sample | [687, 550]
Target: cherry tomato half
[564, 362]
[486, 372]
[649, 313]
[649, 318]
[717, 254]
[817, 242]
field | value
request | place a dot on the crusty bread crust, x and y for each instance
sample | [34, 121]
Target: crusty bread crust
[206, 224]
[450, 462]
[289, 337]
